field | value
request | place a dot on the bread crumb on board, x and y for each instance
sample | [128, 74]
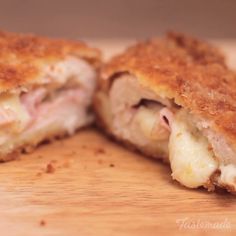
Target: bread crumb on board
[42, 223]
[50, 168]
[99, 151]
[55, 164]
[39, 174]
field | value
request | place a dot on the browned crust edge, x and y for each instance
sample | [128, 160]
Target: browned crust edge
[29, 148]
[191, 72]
[23, 56]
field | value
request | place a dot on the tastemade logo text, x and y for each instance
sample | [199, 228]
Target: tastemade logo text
[189, 223]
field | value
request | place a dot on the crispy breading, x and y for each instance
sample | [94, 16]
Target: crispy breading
[189, 71]
[22, 56]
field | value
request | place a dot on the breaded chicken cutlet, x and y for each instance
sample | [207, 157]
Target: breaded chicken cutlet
[175, 99]
[46, 89]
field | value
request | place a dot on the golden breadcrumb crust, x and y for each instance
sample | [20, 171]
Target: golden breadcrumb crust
[189, 71]
[22, 57]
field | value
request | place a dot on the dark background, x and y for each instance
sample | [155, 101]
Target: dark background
[119, 19]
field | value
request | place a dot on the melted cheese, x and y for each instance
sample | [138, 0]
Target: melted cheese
[228, 175]
[12, 102]
[192, 162]
[148, 121]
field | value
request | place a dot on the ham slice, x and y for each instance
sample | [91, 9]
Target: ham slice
[41, 112]
[166, 118]
[32, 99]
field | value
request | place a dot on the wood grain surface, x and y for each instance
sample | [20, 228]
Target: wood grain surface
[88, 185]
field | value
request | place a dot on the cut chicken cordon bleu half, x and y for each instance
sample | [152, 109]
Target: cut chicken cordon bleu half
[175, 99]
[46, 90]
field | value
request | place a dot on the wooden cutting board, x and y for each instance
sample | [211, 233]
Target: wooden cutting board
[88, 185]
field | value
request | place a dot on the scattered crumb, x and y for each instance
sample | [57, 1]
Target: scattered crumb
[100, 161]
[50, 168]
[55, 164]
[39, 174]
[112, 165]
[99, 151]
[42, 223]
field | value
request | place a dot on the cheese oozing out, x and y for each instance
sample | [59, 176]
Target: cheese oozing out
[228, 175]
[148, 121]
[192, 162]
[191, 158]
[161, 128]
